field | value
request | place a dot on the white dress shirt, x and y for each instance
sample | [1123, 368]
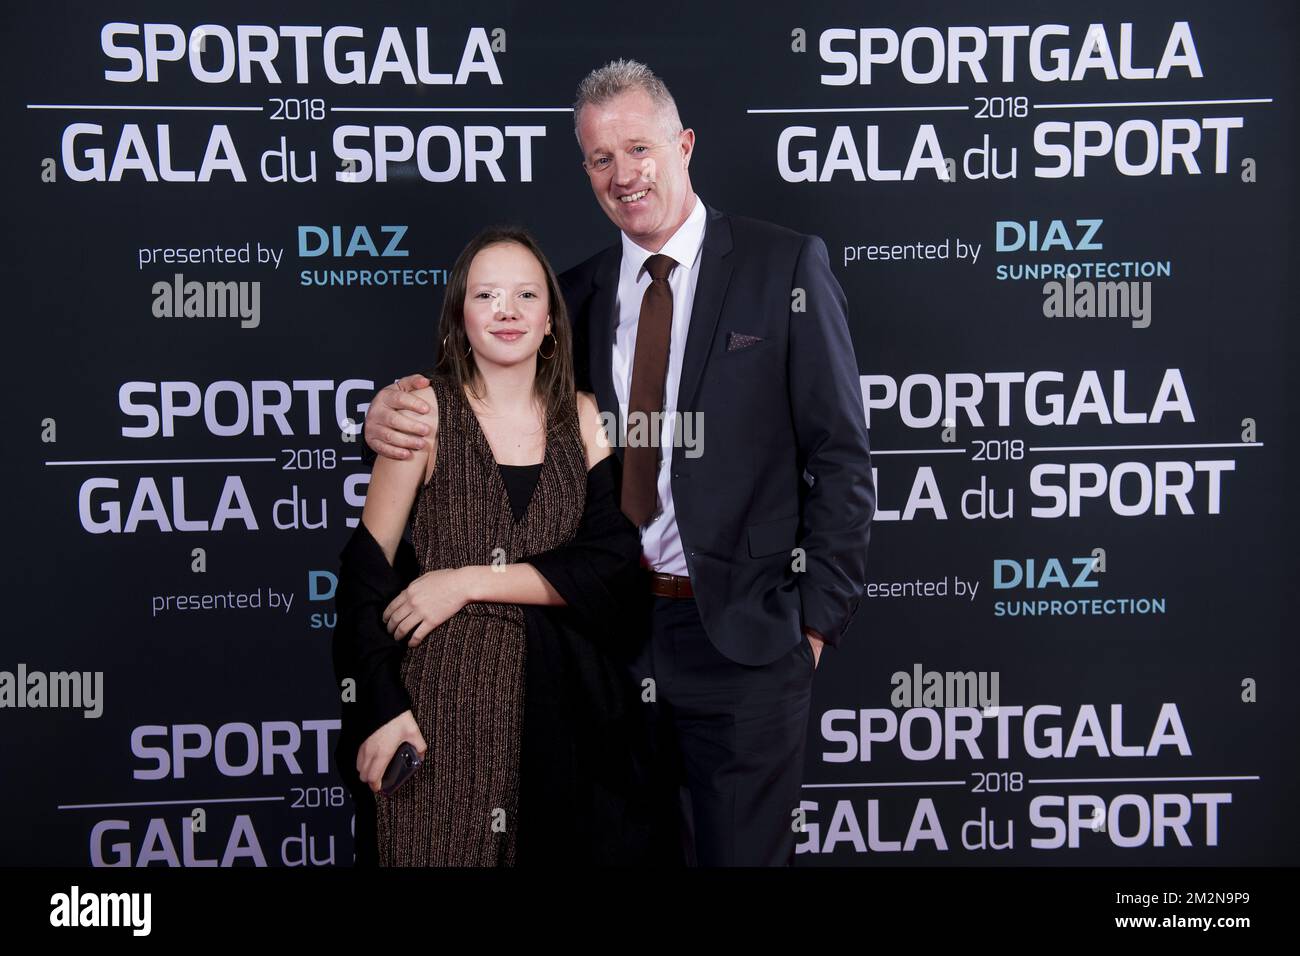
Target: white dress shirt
[661, 545]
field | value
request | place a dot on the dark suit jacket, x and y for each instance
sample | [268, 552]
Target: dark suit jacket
[785, 462]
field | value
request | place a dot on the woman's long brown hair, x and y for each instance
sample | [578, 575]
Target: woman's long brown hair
[554, 386]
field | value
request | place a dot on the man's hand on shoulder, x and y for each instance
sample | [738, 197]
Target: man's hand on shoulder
[390, 429]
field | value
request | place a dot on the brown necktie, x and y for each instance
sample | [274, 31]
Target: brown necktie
[646, 396]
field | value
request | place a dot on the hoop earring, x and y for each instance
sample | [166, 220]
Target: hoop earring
[468, 348]
[553, 347]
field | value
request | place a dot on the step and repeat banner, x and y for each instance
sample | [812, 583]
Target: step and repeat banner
[1065, 232]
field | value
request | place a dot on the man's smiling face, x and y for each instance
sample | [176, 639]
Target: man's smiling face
[637, 166]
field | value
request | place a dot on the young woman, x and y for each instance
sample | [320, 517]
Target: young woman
[513, 509]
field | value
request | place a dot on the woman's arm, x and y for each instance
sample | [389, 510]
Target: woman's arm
[507, 584]
[384, 718]
[395, 482]
[594, 437]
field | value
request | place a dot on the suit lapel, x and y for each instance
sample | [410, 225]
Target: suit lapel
[710, 289]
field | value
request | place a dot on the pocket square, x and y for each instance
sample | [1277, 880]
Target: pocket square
[738, 340]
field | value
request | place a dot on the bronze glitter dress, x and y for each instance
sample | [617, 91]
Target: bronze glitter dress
[466, 679]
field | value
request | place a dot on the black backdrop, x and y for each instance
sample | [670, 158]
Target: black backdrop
[1180, 710]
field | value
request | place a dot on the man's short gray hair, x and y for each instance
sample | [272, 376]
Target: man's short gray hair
[618, 76]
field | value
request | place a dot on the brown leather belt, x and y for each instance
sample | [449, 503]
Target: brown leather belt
[670, 585]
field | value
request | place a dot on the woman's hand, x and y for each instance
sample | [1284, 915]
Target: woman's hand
[428, 601]
[377, 752]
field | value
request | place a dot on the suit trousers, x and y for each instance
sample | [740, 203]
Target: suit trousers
[727, 743]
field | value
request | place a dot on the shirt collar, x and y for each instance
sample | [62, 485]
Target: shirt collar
[684, 246]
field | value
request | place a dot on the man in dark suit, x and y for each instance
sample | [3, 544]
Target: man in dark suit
[752, 492]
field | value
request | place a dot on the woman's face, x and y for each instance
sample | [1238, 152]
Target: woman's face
[507, 310]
